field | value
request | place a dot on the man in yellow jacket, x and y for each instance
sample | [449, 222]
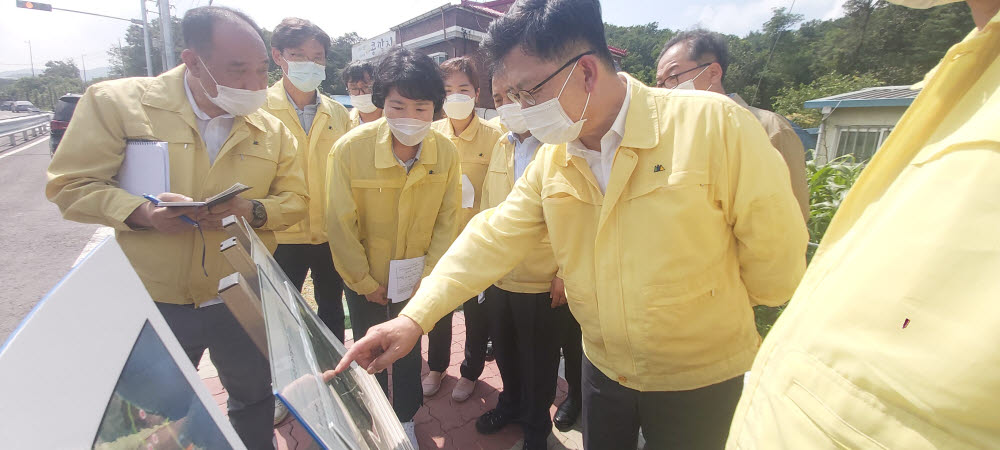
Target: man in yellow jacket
[699, 59]
[527, 311]
[394, 199]
[474, 139]
[358, 79]
[891, 339]
[208, 118]
[299, 48]
[669, 213]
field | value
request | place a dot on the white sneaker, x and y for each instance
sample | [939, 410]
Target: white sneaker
[411, 433]
[280, 412]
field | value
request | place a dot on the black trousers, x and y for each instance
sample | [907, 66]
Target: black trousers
[243, 370]
[525, 332]
[296, 260]
[696, 419]
[571, 343]
[407, 396]
[476, 336]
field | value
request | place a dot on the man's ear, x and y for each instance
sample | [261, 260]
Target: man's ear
[591, 67]
[715, 71]
[191, 61]
[275, 55]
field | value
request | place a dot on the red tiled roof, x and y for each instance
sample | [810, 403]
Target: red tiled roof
[618, 51]
[483, 7]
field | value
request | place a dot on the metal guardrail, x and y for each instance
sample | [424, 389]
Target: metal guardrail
[18, 123]
[35, 130]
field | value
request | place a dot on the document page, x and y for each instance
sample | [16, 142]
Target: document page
[404, 274]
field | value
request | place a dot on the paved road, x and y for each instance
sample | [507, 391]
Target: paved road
[37, 247]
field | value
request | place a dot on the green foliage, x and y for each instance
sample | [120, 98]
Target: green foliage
[875, 43]
[828, 187]
[789, 100]
[644, 43]
[59, 78]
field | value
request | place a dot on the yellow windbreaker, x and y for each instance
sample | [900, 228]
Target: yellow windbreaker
[533, 275]
[475, 148]
[376, 212]
[891, 339]
[698, 224]
[331, 122]
[259, 153]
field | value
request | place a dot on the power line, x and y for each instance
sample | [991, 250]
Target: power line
[753, 100]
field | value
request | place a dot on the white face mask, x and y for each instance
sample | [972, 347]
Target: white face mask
[238, 102]
[512, 118]
[306, 76]
[922, 4]
[458, 106]
[363, 103]
[689, 84]
[549, 122]
[409, 132]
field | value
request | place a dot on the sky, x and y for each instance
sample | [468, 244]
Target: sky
[60, 35]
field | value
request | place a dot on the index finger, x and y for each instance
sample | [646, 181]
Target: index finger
[361, 352]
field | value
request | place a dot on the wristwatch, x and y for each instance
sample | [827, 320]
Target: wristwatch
[259, 214]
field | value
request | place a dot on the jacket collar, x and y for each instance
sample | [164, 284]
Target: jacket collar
[167, 92]
[470, 131]
[385, 158]
[642, 123]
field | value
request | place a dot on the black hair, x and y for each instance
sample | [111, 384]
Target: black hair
[356, 71]
[703, 46]
[548, 29]
[292, 32]
[199, 23]
[415, 76]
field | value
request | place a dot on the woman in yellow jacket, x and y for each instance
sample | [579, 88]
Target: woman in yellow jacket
[299, 47]
[474, 139]
[393, 194]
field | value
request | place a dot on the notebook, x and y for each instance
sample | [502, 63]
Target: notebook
[216, 199]
[146, 168]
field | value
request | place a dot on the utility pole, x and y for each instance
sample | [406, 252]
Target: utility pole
[146, 41]
[31, 57]
[83, 64]
[166, 28]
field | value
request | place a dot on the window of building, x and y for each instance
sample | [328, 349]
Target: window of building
[439, 57]
[861, 141]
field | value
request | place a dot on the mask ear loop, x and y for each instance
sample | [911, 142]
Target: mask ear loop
[587, 103]
[209, 72]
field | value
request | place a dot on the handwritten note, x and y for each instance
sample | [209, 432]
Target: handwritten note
[404, 274]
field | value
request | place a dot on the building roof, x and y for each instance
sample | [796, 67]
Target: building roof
[867, 98]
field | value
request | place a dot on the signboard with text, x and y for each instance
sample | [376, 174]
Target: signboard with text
[374, 47]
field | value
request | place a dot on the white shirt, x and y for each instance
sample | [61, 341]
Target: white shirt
[524, 152]
[213, 130]
[600, 161]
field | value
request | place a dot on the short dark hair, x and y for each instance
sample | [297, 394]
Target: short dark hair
[414, 75]
[199, 23]
[547, 29]
[465, 65]
[356, 71]
[700, 45]
[293, 32]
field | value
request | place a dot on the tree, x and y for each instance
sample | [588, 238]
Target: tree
[790, 99]
[59, 78]
[644, 43]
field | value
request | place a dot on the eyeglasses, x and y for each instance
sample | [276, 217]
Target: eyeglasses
[360, 91]
[527, 97]
[674, 80]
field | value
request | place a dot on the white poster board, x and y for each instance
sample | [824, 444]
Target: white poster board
[93, 351]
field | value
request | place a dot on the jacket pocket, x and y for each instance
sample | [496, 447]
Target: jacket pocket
[375, 200]
[845, 414]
